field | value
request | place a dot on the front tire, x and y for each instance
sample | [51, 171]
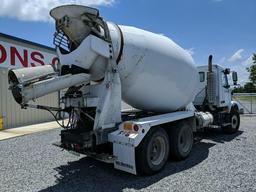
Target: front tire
[234, 122]
[153, 152]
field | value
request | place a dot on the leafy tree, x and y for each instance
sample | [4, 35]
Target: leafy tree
[249, 88]
[239, 89]
[252, 70]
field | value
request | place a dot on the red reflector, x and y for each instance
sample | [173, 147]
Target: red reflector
[135, 127]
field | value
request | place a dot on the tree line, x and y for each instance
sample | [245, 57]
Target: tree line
[249, 87]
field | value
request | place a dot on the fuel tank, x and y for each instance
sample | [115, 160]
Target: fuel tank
[156, 74]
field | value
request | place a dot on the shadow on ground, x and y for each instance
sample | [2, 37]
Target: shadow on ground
[218, 136]
[90, 175]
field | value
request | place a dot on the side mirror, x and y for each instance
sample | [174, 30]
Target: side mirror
[234, 77]
[226, 71]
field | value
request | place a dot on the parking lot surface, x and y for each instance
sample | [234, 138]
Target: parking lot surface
[217, 163]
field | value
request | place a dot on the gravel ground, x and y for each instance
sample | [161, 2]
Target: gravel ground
[217, 163]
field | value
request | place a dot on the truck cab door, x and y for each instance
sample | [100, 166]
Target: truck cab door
[224, 90]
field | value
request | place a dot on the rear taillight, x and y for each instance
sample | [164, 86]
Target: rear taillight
[136, 128]
[129, 126]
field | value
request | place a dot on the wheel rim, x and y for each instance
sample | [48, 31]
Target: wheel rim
[185, 141]
[234, 121]
[157, 150]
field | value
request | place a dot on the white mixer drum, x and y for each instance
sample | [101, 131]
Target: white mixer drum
[156, 74]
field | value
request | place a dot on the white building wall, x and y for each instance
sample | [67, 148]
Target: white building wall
[10, 111]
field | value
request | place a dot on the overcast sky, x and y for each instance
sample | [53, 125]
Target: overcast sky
[224, 28]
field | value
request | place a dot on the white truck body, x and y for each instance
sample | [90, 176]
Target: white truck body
[109, 63]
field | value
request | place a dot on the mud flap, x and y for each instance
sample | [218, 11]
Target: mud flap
[125, 157]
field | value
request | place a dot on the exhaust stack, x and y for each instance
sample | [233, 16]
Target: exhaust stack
[211, 91]
[210, 64]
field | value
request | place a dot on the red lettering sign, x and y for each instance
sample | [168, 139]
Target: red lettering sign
[12, 55]
[23, 60]
[37, 57]
[3, 54]
[55, 61]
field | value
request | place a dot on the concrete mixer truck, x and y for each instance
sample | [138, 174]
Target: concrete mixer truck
[102, 64]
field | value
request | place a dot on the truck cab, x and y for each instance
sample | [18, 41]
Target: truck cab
[221, 87]
[214, 96]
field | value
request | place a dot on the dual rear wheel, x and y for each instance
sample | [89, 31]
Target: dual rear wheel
[155, 149]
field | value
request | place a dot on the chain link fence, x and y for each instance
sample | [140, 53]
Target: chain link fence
[246, 101]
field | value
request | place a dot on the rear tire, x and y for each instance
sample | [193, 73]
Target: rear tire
[234, 122]
[153, 152]
[181, 141]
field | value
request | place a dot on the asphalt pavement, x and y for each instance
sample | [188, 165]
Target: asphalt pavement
[217, 163]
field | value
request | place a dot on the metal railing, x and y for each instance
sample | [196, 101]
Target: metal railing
[247, 101]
